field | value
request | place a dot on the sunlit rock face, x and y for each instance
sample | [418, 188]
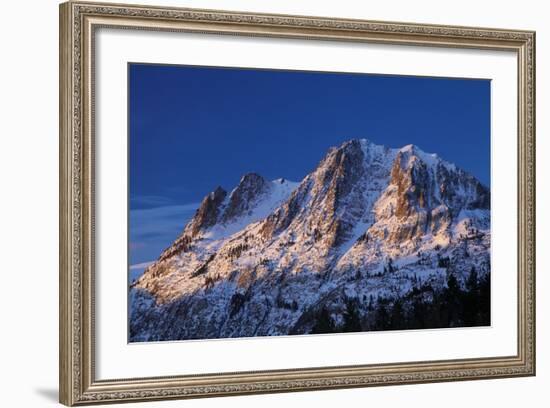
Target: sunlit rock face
[369, 225]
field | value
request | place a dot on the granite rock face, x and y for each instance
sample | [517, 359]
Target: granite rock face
[208, 213]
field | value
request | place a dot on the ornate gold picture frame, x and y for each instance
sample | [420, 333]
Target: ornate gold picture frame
[78, 24]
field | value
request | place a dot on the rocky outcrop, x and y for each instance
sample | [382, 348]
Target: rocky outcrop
[208, 213]
[251, 187]
[425, 194]
[319, 204]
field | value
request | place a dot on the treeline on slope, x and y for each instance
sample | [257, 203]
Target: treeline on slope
[423, 307]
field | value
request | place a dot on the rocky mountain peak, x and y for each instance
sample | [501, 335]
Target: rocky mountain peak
[208, 212]
[338, 172]
[411, 176]
[251, 187]
[320, 199]
[424, 195]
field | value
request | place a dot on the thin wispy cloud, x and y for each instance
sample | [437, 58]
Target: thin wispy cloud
[150, 201]
[154, 229]
[142, 265]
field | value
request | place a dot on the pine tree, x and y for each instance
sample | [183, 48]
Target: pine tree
[472, 281]
[397, 316]
[390, 265]
[352, 321]
[485, 300]
[371, 302]
[324, 323]
[454, 301]
[382, 317]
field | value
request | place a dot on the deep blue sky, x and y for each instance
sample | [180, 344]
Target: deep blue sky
[194, 128]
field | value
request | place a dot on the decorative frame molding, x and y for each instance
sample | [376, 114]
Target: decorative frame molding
[78, 20]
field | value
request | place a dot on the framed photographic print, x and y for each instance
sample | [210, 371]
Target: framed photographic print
[263, 203]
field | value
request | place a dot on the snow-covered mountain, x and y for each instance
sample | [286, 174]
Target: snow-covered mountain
[374, 238]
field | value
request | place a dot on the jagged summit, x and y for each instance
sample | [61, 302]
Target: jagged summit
[251, 187]
[208, 212]
[267, 257]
